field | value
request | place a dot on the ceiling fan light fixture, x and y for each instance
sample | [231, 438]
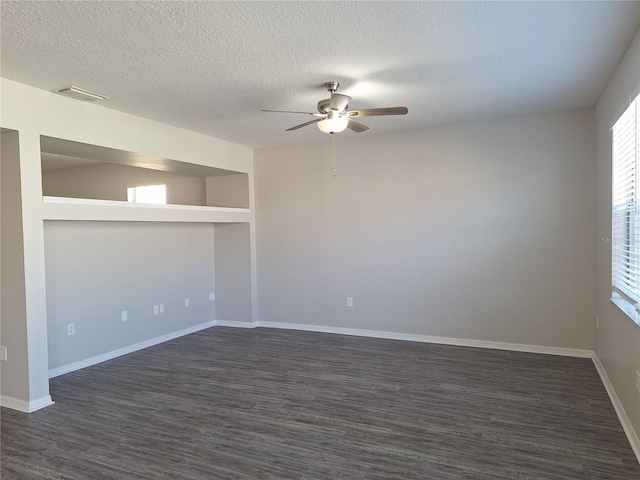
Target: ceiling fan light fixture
[334, 124]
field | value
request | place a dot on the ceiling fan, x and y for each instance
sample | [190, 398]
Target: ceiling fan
[334, 114]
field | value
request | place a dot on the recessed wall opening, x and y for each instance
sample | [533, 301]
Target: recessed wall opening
[78, 170]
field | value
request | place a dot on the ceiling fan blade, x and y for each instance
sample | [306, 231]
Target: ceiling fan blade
[289, 111]
[374, 112]
[303, 125]
[339, 102]
[356, 126]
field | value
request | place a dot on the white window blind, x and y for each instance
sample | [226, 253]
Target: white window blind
[625, 254]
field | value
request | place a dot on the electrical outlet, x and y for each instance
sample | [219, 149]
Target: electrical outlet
[638, 381]
[212, 296]
[3, 353]
[156, 309]
[186, 303]
[71, 329]
[162, 308]
[349, 302]
[124, 316]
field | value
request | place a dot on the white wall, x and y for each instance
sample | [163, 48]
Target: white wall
[228, 191]
[617, 338]
[34, 113]
[96, 270]
[13, 314]
[233, 272]
[480, 231]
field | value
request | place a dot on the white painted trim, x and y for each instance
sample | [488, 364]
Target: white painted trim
[24, 406]
[234, 323]
[106, 210]
[54, 372]
[412, 337]
[124, 204]
[632, 436]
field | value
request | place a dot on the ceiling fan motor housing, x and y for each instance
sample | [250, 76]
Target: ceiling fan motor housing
[338, 103]
[323, 105]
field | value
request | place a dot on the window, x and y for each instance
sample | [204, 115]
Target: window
[625, 228]
[147, 194]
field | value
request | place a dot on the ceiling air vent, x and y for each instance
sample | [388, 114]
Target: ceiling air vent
[81, 94]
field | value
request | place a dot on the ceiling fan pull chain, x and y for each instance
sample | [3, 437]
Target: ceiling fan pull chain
[333, 153]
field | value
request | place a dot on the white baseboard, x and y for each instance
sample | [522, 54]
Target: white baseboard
[412, 337]
[54, 372]
[23, 405]
[571, 352]
[617, 405]
[234, 323]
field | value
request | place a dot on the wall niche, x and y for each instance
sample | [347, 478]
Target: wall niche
[77, 170]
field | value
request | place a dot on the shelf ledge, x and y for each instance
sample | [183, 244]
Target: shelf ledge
[66, 208]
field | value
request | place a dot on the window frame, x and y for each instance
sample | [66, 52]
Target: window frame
[625, 211]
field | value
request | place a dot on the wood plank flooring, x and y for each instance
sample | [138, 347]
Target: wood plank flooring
[230, 403]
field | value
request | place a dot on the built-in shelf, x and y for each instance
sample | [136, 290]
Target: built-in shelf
[65, 208]
[77, 170]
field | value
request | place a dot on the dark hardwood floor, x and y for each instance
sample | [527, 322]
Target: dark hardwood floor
[275, 404]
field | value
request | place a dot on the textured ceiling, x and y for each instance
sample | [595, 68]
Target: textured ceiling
[211, 67]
